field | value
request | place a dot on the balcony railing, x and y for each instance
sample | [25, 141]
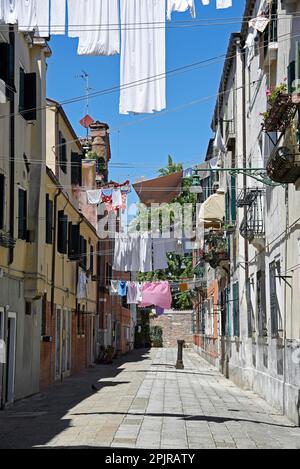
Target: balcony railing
[253, 225]
[216, 250]
[281, 113]
[6, 241]
[284, 165]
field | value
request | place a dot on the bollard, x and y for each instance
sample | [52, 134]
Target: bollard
[179, 364]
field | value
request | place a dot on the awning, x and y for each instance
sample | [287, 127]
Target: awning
[159, 190]
[212, 211]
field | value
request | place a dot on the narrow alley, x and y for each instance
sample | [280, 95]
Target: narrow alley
[142, 401]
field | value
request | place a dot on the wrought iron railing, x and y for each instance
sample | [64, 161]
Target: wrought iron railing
[253, 225]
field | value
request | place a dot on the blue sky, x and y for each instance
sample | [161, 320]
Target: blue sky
[184, 134]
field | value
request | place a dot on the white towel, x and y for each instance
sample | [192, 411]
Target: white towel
[58, 16]
[181, 6]
[224, 4]
[43, 17]
[145, 254]
[143, 56]
[3, 99]
[205, 2]
[160, 254]
[75, 13]
[101, 34]
[94, 196]
[26, 13]
[10, 11]
[1, 11]
[117, 198]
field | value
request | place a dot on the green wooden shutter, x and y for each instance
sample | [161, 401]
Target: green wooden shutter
[297, 67]
[233, 199]
[92, 260]
[291, 76]
[30, 97]
[62, 234]
[236, 310]
[49, 219]
[22, 226]
[21, 91]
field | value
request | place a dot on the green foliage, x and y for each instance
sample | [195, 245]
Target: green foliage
[170, 168]
[156, 336]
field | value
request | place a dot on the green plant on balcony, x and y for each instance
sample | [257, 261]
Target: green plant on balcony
[281, 109]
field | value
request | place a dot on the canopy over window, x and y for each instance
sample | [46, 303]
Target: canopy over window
[160, 190]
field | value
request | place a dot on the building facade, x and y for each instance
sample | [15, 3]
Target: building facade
[257, 117]
[22, 177]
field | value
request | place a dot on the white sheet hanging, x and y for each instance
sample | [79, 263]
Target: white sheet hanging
[43, 17]
[224, 4]
[143, 56]
[3, 99]
[99, 33]
[58, 17]
[1, 11]
[180, 6]
[26, 13]
[75, 14]
[10, 11]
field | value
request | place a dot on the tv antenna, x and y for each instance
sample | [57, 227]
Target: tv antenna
[86, 77]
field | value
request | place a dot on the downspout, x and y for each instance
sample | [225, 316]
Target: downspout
[285, 299]
[54, 251]
[12, 158]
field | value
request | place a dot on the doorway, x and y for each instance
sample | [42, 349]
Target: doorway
[63, 343]
[11, 357]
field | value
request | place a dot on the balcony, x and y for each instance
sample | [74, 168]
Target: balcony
[216, 250]
[281, 112]
[253, 226]
[283, 165]
[6, 241]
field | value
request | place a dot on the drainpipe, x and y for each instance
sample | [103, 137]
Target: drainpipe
[285, 298]
[54, 251]
[12, 158]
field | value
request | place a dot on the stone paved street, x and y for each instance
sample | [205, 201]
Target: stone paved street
[144, 402]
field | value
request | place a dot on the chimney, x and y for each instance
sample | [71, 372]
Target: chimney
[100, 140]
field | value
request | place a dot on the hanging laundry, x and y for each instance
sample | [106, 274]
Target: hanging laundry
[114, 288]
[134, 293]
[76, 11]
[180, 6]
[58, 17]
[117, 198]
[43, 18]
[143, 56]
[1, 11]
[188, 173]
[122, 289]
[250, 47]
[205, 2]
[159, 311]
[260, 23]
[224, 4]
[135, 252]
[10, 9]
[3, 98]
[107, 200]
[145, 254]
[94, 197]
[81, 286]
[2, 352]
[100, 28]
[183, 287]
[27, 19]
[124, 202]
[156, 294]
[160, 261]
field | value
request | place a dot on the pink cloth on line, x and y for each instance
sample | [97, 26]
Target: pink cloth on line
[157, 294]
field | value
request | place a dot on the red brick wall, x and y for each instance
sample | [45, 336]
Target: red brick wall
[176, 325]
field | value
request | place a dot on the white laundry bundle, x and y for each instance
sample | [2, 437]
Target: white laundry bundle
[26, 15]
[224, 4]
[143, 56]
[43, 18]
[99, 26]
[58, 16]
[10, 11]
[180, 6]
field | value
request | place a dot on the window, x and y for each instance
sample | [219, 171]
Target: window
[28, 308]
[236, 310]
[74, 242]
[62, 232]
[274, 271]
[49, 220]
[7, 67]
[261, 303]
[83, 253]
[22, 228]
[27, 95]
[92, 260]
[76, 169]
[2, 200]
[62, 153]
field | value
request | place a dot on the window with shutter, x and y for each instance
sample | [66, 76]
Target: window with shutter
[22, 226]
[7, 67]
[76, 172]
[236, 310]
[62, 153]
[27, 95]
[2, 200]
[233, 199]
[62, 233]
[49, 219]
[74, 242]
[92, 260]
[291, 76]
